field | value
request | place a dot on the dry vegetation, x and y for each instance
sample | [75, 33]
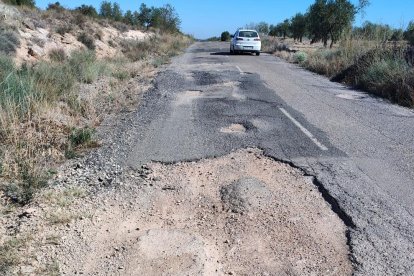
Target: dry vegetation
[50, 107]
[384, 69]
[61, 73]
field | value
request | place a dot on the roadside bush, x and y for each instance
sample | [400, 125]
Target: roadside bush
[62, 30]
[79, 20]
[383, 72]
[225, 36]
[389, 78]
[136, 50]
[78, 137]
[18, 92]
[55, 6]
[22, 192]
[300, 57]
[84, 66]
[87, 40]
[26, 138]
[29, 3]
[87, 10]
[9, 42]
[57, 55]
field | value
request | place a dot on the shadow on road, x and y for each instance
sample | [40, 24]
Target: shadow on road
[229, 54]
[221, 54]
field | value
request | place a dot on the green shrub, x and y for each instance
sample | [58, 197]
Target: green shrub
[85, 67]
[57, 55]
[121, 74]
[22, 192]
[136, 50]
[62, 30]
[81, 136]
[300, 57]
[225, 36]
[9, 42]
[87, 10]
[9, 256]
[25, 87]
[29, 3]
[389, 78]
[87, 40]
[55, 6]
[18, 91]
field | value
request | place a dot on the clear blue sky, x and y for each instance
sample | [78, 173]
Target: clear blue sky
[206, 18]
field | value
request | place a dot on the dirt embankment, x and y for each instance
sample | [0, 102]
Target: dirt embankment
[40, 33]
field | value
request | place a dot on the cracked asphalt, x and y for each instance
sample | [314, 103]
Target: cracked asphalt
[359, 148]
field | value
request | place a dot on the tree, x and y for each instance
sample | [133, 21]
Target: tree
[225, 36]
[56, 6]
[272, 30]
[87, 10]
[263, 28]
[144, 16]
[106, 9]
[284, 28]
[165, 19]
[397, 35]
[373, 31]
[409, 33]
[29, 3]
[281, 29]
[129, 18]
[329, 18]
[298, 26]
[116, 12]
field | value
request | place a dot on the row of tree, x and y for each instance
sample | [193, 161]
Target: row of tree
[164, 18]
[30, 3]
[328, 20]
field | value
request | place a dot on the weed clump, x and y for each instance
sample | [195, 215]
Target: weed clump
[57, 55]
[79, 138]
[87, 40]
[64, 29]
[300, 57]
[9, 42]
[383, 72]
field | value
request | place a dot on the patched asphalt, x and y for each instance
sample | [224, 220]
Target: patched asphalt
[366, 173]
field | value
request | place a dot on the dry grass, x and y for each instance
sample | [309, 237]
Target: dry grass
[48, 111]
[10, 253]
[64, 197]
[378, 68]
[158, 46]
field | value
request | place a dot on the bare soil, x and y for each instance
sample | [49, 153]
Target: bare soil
[241, 214]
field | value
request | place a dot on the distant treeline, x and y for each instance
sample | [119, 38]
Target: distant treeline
[329, 20]
[164, 18]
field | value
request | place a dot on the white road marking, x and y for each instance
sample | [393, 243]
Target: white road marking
[304, 130]
[240, 70]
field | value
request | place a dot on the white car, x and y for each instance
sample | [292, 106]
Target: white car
[245, 41]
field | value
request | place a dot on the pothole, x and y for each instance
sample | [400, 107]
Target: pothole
[205, 78]
[351, 96]
[240, 214]
[187, 97]
[234, 128]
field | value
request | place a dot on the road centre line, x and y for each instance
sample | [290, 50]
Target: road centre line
[240, 70]
[304, 130]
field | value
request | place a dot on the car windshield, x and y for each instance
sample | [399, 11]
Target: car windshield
[248, 34]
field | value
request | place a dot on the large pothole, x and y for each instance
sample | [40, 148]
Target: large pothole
[240, 214]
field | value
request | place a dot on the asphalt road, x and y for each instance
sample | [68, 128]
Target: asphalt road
[360, 149]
